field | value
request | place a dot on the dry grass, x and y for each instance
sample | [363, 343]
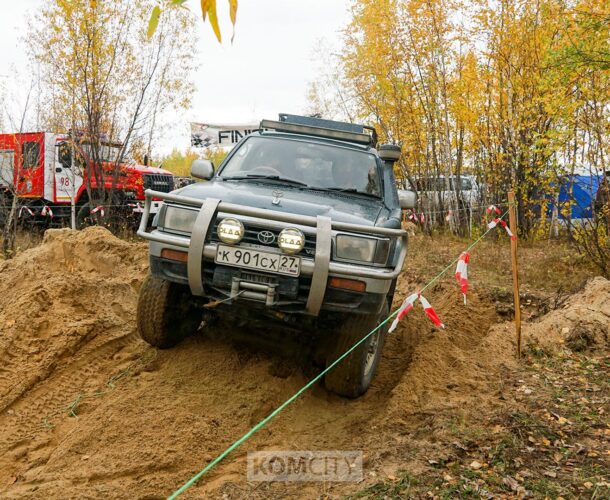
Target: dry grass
[544, 267]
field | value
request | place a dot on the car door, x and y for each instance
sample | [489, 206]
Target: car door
[68, 172]
[30, 171]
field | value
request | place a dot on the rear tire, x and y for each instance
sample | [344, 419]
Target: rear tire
[166, 313]
[354, 374]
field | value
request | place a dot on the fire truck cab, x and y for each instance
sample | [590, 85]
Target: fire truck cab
[46, 171]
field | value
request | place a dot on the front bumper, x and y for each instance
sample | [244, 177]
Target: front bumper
[315, 271]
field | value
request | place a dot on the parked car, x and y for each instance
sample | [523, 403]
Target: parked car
[437, 191]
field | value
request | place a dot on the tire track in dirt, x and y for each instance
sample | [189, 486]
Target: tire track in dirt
[66, 328]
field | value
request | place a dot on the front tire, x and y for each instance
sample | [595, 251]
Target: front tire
[354, 374]
[166, 313]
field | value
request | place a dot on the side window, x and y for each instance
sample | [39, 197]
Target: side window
[466, 184]
[30, 152]
[64, 155]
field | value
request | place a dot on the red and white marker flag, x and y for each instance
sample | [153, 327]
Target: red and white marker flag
[406, 306]
[508, 231]
[461, 273]
[99, 209]
[430, 312]
[27, 209]
[46, 211]
[495, 222]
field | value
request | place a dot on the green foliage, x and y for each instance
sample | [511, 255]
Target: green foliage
[179, 163]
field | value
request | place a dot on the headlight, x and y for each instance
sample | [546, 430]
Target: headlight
[230, 231]
[291, 240]
[362, 249]
[179, 219]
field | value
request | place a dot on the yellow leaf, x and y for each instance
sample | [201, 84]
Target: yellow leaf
[208, 7]
[154, 21]
[233, 10]
[233, 13]
[205, 5]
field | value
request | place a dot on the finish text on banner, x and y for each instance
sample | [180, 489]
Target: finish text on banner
[206, 135]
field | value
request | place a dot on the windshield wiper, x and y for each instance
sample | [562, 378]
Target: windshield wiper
[345, 190]
[265, 177]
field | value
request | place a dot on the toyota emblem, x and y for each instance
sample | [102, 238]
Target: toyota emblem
[266, 237]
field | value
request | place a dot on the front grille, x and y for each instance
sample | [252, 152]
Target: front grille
[159, 182]
[251, 236]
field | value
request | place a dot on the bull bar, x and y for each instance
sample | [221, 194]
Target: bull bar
[323, 226]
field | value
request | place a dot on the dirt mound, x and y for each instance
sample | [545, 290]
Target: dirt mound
[65, 313]
[583, 322]
[87, 408]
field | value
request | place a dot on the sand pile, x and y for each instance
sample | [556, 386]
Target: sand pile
[581, 323]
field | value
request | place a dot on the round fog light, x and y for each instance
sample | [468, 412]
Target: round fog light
[230, 231]
[291, 240]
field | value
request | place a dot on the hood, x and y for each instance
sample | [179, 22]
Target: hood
[143, 169]
[338, 206]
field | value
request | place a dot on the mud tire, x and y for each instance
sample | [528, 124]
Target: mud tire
[353, 375]
[166, 312]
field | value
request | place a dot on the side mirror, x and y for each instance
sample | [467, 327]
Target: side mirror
[202, 169]
[389, 152]
[407, 199]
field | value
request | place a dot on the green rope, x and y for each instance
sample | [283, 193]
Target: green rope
[309, 384]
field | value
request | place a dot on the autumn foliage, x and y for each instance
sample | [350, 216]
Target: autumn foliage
[516, 92]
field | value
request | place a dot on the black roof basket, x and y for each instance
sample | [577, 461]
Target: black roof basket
[307, 125]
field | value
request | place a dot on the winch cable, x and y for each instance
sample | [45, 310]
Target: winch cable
[314, 380]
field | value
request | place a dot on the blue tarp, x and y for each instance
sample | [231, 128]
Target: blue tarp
[581, 190]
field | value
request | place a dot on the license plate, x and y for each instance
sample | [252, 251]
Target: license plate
[255, 259]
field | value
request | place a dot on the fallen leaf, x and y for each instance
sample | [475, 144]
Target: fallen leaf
[475, 465]
[511, 483]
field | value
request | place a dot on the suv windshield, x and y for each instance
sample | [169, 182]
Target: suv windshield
[317, 166]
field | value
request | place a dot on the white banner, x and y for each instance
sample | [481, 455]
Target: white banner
[206, 135]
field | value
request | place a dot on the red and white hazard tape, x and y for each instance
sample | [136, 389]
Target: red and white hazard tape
[495, 222]
[27, 209]
[46, 212]
[461, 273]
[99, 209]
[430, 312]
[407, 305]
[493, 209]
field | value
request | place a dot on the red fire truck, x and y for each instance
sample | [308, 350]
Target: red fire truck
[47, 170]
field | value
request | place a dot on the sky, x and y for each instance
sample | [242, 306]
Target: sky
[264, 72]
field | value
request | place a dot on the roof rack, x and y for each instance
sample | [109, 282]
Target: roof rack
[306, 125]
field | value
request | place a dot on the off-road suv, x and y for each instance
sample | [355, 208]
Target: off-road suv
[301, 221]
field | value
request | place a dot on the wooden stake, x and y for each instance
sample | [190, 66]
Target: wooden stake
[512, 218]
